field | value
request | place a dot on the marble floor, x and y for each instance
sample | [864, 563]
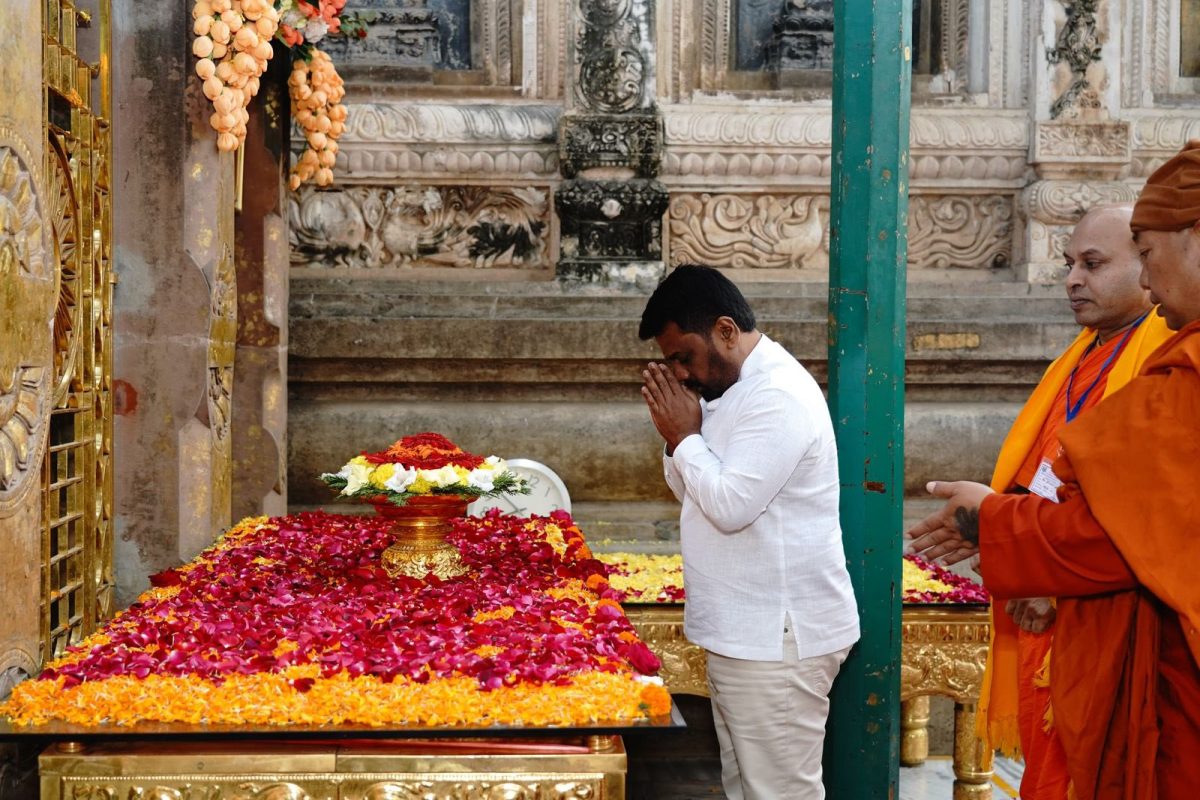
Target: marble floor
[934, 780]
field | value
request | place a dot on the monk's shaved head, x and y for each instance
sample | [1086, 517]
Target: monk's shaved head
[1103, 278]
[1112, 212]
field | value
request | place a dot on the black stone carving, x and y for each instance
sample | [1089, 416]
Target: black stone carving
[594, 140]
[403, 42]
[612, 69]
[610, 228]
[803, 37]
[1078, 46]
[609, 221]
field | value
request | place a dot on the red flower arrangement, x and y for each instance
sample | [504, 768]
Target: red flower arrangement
[290, 620]
[426, 451]
[933, 583]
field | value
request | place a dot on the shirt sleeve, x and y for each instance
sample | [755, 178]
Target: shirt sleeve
[673, 476]
[765, 446]
[1032, 547]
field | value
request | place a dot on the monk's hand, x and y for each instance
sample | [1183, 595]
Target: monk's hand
[952, 533]
[1032, 614]
[674, 409]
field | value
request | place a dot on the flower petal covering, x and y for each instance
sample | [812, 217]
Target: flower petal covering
[641, 578]
[291, 620]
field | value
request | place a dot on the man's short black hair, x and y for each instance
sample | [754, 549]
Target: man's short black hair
[694, 297]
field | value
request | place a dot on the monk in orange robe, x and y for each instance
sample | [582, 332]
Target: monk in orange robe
[1108, 300]
[1120, 550]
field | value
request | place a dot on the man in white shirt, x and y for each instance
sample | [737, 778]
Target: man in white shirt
[750, 453]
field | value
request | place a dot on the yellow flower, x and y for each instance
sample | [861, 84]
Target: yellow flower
[381, 474]
[420, 486]
[360, 461]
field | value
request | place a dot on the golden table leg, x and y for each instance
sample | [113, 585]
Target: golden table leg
[914, 731]
[972, 761]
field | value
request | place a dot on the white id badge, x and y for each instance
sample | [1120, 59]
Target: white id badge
[1045, 483]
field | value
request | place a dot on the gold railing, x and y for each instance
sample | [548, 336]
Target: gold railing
[77, 488]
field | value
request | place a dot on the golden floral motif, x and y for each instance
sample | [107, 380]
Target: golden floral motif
[26, 288]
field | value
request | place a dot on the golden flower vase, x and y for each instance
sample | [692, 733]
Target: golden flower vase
[420, 527]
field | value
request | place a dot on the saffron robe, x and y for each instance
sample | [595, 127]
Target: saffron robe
[1122, 555]
[1015, 698]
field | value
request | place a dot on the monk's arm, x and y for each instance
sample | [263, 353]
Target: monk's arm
[1030, 547]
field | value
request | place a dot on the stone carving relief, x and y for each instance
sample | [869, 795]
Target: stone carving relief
[420, 226]
[1157, 137]
[402, 43]
[791, 231]
[1077, 47]
[408, 40]
[955, 36]
[392, 140]
[759, 231]
[1077, 141]
[803, 36]
[611, 220]
[612, 64]
[1064, 202]
[633, 141]
[222, 335]
[26, 298]
[960, 231]
[946, 145]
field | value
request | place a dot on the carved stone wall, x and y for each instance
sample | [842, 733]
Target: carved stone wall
[1034, 111]
[402, 227]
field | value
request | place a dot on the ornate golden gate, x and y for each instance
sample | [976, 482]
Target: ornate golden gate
[77, 485]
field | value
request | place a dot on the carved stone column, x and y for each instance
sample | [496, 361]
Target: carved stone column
[1078, 147]
[610, 148]
[259, 423]
[176, 303]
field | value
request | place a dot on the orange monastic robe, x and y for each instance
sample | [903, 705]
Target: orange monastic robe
[1122, 555]
[1015, 697]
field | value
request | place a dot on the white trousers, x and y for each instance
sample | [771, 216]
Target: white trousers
[770, 720]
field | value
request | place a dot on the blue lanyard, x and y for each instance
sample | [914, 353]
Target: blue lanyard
[1073, 410]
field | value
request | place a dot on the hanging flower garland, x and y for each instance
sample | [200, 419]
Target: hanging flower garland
[234, 43]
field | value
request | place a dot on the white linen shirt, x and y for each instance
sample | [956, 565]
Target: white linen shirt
[761, 536]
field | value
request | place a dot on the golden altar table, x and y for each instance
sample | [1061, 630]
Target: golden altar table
[591, 768]
[944, 653]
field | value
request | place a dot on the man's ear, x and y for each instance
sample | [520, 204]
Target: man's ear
[727, 331]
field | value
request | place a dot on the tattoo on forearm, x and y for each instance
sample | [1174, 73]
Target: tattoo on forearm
[968, 523]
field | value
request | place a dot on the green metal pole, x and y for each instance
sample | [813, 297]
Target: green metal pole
[872, 59]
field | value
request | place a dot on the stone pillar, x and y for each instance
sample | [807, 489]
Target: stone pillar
[1078, 147]
[610, 148]
[175, 303]
[261, 255]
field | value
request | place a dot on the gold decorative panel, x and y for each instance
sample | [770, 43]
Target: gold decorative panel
[301, 771]
[77, 579]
